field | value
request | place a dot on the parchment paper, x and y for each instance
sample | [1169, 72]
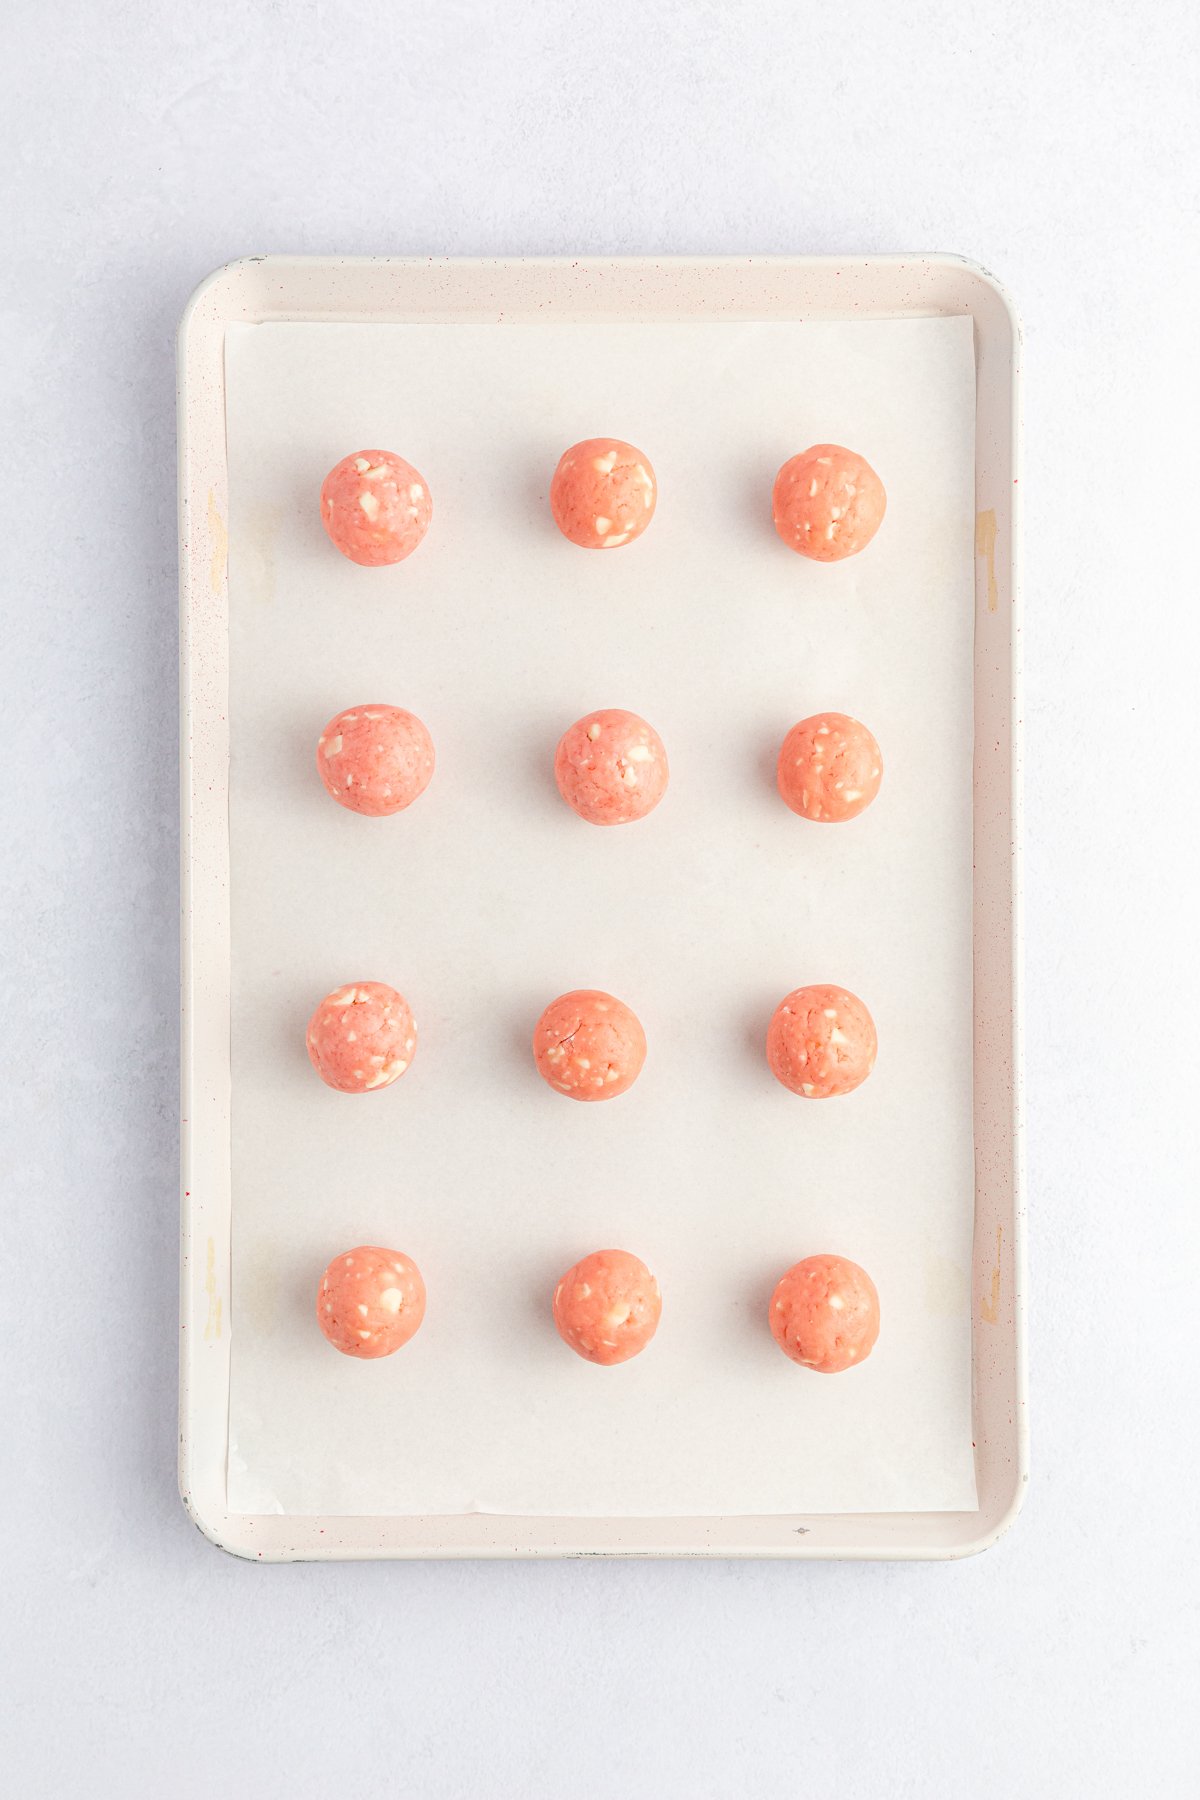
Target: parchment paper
[489, 897]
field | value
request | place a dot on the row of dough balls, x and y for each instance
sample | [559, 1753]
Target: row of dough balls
[588, 1045]
[827, 502]
[824, 1312]
[610, 766]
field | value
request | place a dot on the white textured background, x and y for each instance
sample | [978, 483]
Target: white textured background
[140, 145]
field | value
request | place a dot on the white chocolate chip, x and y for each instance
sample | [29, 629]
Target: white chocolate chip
[391, 1299]
[630, 778]
[603, 527]
[604, 465]
[593, 731]
[370, 505]
[837, 1303]
[416, 491]
[640, 753]
[812, 487]
[361, 464]
[334, 746]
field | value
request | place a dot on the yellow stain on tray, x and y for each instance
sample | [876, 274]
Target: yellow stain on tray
[220, 544]
[985, 545]
[212, 1325]
[990, 1308]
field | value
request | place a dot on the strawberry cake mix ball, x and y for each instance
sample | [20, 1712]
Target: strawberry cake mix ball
[362, 1037]
[820, 1042]
[375, 759]
[607, 1307]
[370, 1301]
[375, 507]
[829, 768]
[828, 502]
[589, 1045]
[603, 493]
[611, 767]
[825, 1314]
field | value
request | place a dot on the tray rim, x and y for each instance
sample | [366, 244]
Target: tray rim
[221, 298]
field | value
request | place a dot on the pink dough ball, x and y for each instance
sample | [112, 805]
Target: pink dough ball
[370, 1301]
[607, 1307]
[375, 759]
[829, 768]
[820, 1042]
[589, 1045]
[375, 507]
[611, 767]
[362, 1037]
[825, 1314]
[828, 503]
[602, 494]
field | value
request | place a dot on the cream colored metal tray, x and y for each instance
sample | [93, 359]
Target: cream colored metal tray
[628, 293]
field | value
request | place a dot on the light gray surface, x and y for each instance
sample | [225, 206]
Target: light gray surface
[141, 147]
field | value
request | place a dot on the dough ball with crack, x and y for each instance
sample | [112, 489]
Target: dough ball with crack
[589, 1045]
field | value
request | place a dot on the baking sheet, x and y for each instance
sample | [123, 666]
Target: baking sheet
[488, 898]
